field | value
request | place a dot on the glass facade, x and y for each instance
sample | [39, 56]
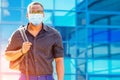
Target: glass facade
[90, 31]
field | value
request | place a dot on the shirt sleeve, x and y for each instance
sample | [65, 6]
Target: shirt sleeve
[58, 47]
[13, 42]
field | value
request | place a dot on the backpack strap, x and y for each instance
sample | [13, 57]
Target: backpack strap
[23, 34]
[24, 37]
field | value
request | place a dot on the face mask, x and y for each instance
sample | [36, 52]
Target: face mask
[35, 19]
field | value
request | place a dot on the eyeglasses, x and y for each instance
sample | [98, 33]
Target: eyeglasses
[36, 12]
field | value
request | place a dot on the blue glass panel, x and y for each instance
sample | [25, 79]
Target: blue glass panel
[104, 19]
[11, 3]
[80, 66]
[110, 67]
[74, 66]
[0, 4]
[48, 19]
[26, 3]
[81, 19]
[98, 66]
[90, 36]
[65, 19]
[72, 50]
[81, 50]
[7, 29]
[115, 67]
[74, 77]
[99, 19]
[68, 33]
[90, 53]
[70, 67]
[115, 20]
[65, 5]
[82, 35]
[101, 22]
[90, 69]
[100, 50]
[114, 35]
[24, 17]
[81, 5]
[100, 35]
[47, 4]
[11, 15]
[104, 78]
[115, 50]
[67, 49]
[0, 15]
[103, 5]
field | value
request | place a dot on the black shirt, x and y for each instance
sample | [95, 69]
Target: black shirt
[46, 46]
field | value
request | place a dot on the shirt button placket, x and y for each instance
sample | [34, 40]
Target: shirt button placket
[36, 67]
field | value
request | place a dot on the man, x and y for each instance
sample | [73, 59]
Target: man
[45, 45]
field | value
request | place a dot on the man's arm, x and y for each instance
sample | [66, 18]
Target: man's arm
[13, 55]
[60, 68]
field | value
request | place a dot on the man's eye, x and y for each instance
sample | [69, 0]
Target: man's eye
[33, 12]
[38, 12]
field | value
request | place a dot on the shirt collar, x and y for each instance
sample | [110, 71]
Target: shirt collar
[43, 25]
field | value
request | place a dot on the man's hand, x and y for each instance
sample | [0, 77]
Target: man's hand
[26, 47]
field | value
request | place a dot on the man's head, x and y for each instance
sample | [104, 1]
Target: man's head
[35, 13]
[35, 7]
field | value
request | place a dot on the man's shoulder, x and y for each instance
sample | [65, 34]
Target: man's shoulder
[14, 35]
[17, 32]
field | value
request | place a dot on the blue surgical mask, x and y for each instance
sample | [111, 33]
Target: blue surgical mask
[35, 19]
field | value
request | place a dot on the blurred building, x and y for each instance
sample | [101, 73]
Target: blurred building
[90, 30]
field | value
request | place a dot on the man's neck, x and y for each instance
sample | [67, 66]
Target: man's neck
[32, 27]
